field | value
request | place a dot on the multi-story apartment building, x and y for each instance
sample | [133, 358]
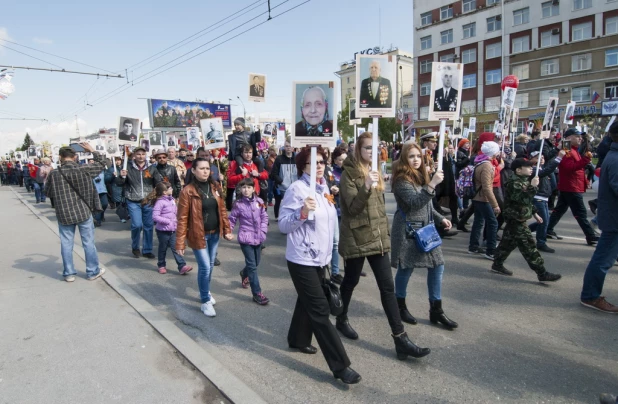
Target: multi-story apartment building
[405, 68]
[557, 48]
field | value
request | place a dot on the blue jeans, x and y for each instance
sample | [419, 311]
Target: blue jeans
[38, 192]
[141, 218]
[334, 263]
[602, 260]
[167, 239]
[541, 228]
[483, 212]
[104, 204]
[205, 263]
[67, 236]
[434, 282]
[253, 254]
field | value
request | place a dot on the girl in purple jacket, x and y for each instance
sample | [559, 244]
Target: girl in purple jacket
[164, 216]
[252, 219]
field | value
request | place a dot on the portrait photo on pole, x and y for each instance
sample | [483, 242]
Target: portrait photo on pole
[472, 124]
[514, 120]
[31, 151]
[280, 133]
[212, 129]
[145, 143]
[257, 87]
[352, 108]
[313, 114]
[111, 144]
[155, 137]
[194, 138]
[569, 115]
[444, 101]
[550, 111]
[170, 139]
[18, 156]
[128, 130]
[269, 129]
[376, 83]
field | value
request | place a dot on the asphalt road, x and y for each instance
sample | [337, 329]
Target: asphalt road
[518, 340]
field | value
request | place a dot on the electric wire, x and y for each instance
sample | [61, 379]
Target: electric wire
[33, 57]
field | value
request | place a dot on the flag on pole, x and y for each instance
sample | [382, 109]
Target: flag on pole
[595, 97]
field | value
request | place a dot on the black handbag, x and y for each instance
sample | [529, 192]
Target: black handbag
[122, 210]
[427, 237]
[333, 295]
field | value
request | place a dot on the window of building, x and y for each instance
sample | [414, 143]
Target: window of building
[521, 44]
[423, 113]
[447, 58]
[549, 67]
[468, 56]
[611, 26]
[549, 39]
[493, 50]
[425, 88]
[611, 89]
[469, 81]
[521, 127]
[426, 18]
[492, 104]
[494, 24]
[521, 71]
[426, 42]
[581, 4]
[582, 31]
[446, 36]
[426, 66]
[611, 57]
[521, 101]
[492, 2]
[544, 96]
[348, 80]
[581, 62]
[469, 5]
[492, 77]
[580, 94]
[521, 16]
[550, 9]
[468, 107]
[446, 12]
[469, 30]
[349, 92]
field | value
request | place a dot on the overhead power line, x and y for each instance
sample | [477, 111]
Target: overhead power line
[24, 119]
[30, 56]
[64, 71]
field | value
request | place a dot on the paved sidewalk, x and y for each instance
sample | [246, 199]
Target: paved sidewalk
[79, 342]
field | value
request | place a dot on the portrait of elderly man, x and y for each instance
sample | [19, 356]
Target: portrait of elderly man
[314, 111]
[376, 91]
[445, 98]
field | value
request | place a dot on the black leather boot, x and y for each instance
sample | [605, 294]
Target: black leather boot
[405, 348]
[347, 375]
[343, 325]
[436, 315]
[406, 317]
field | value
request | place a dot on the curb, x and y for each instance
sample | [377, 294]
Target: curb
[225, 381]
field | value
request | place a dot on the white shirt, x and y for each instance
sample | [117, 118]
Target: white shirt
[375, 86]
[445, 90]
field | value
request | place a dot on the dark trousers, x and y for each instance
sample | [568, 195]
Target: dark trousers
[575, 202]
[518, 235]
[278, 198]
[381, 267]
[229, 198]
[99, 216]
[311, 316]
[167, 239]
[253, 255]
[500, 198]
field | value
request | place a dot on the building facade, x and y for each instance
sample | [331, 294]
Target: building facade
[557, 48]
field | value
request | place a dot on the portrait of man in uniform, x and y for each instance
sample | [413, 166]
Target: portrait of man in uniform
[376, 91]
[256, 89]
[445, 98]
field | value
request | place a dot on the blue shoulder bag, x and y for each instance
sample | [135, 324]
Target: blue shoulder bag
[427, 237]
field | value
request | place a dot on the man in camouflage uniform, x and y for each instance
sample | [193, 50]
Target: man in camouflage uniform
[519, 208]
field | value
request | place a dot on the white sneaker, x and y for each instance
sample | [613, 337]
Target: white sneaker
[208, 310]
[70, 278]
[212, 299]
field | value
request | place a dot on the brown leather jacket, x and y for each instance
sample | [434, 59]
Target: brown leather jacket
[191, 222]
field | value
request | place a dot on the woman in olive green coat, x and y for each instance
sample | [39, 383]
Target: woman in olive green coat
[365, 234]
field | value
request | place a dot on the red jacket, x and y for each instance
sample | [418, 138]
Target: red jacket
[233, 179]
[572, 177]
[32, 169]
[497, 181]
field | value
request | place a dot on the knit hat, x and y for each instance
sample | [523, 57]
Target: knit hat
[519, 163]
[490, 148]
[486, 137]
[239, 121]
[462, 142]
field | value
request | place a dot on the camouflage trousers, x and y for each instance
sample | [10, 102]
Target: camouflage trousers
[518, 235]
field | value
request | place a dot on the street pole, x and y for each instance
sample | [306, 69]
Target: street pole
[244, 111]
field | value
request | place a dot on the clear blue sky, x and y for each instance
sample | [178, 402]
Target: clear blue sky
[307, 43]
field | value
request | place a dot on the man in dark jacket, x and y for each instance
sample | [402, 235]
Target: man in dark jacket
[168, 172]
[534, 137]
[139, 180]
[239, 137]
[607, 250]
[572, 185]
[283, 173]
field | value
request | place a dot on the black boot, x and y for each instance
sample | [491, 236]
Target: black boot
[436, 315]
[347, 375]
[406, 317]
[343, 325]
[405, 348]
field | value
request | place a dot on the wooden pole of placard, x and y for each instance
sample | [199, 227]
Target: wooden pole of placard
[126, 159]
[374, 148]
[441, 143]
[538, 163]
[313, 176]
[355, 134]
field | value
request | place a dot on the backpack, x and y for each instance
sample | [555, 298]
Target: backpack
[464, 186]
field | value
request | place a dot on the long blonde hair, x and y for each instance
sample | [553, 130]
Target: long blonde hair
[359, 160]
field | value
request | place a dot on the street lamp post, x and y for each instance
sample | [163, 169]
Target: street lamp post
[244, 111]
